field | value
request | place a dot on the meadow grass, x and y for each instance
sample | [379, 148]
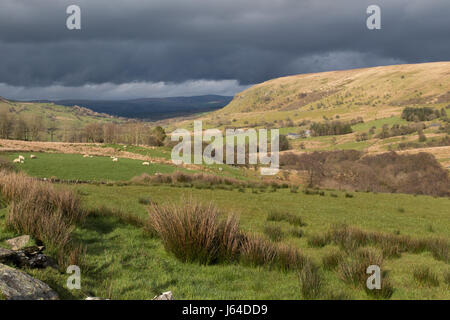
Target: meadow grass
[124, 262]
[75, 167]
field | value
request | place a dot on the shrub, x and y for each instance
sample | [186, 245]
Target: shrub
[193, 232]
[425, 276]
[330, 128]
[389, 172]
[349, 195]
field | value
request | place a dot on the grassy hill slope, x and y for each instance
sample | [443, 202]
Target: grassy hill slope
[50, 115]
[371, 93]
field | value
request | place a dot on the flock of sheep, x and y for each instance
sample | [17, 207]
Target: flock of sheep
[21, 159]
[115, 159]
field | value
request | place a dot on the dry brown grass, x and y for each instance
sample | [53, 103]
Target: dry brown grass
[353, 270]
[425, 276]
[332, 260]
[257, 251]
[311, 281]
[195, 232]
[350, 238]
[44, 212]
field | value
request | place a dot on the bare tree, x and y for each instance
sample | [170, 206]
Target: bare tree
[5, 124]
[20, 129]
[36, 126]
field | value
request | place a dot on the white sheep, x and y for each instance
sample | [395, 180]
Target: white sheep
[115, 159]
[22, 158]
[33, 156]
[86, 156]
[17, 160]
[145, 163]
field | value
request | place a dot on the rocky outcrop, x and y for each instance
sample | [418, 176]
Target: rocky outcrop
[31, 257]
[18, 242]
[17, 285]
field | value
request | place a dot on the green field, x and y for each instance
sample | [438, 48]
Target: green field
[75, 167]
[125, 263]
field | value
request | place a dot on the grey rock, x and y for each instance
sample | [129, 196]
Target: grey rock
[95, 298]
[165, 296]
[31, 257]
[17, 285]
[18, 242]
[6, 255]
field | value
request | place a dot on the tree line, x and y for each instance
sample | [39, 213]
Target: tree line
[35, 128]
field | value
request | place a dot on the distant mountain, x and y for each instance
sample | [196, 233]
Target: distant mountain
[152, 108]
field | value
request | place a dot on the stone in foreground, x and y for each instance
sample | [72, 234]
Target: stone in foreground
[165, 296]
[17, 285]
[19, 242]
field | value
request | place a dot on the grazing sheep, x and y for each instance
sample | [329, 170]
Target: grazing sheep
[17, 160]
[145, 163]
[86, 156]
[22, 158]
[33, 156]
[115, 159]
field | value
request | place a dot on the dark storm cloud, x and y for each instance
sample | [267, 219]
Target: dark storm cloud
[178, 40]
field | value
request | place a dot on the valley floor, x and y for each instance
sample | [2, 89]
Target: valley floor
[123, 262]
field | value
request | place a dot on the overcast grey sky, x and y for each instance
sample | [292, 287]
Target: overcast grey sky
[157, 48]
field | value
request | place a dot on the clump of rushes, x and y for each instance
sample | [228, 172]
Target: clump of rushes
[276, 215]
[318, 240]
[274, 233]
[351, 238]
[353, 270]
[447, 277]
[311, 281]
[425, 276]
[257, 251]
[331, 260]
[385, 292]
[297, 232]
[195, 232]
